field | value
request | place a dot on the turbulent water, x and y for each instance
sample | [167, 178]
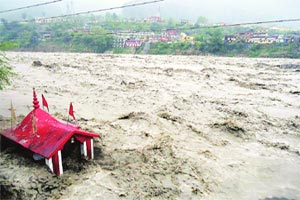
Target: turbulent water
[173, 127]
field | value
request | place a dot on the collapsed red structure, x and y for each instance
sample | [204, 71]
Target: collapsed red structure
[46, 136]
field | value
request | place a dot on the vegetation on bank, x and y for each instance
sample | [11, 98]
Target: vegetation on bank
[6, 72]
[73, 36]
[228, 49]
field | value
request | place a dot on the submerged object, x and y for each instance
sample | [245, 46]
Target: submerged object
[46, 137]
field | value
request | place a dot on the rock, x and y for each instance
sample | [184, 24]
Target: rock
[37, 63]
[122, 194]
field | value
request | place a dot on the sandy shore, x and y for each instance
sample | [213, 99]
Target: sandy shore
[173, 127]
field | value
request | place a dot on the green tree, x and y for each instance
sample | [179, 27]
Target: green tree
[216, 42]
[210, 41]
[24, 16]
[201, 20]
[6, 72]
[156, 26]
[171, 23]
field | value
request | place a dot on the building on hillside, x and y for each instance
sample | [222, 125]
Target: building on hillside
[154, 19]
[164, 39]
[133, 43]
[45, 35]
[186, 38]
[186, 22]
[119, 42]
[262, 38]
[154, 39]
[258, 37]
[45, 20]
[280, 39]
[121, 38]
[171, 35]
[230, 38]
[145, 36]
[244, 36]
[295, 37]
[85, 29]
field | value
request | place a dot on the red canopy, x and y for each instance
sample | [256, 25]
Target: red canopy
[43, 134]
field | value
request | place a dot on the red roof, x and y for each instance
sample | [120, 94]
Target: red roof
[49, 136]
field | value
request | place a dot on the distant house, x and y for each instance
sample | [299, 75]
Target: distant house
[130, 38]
[45, 35]
[172, 34]
[154, 39]
[85, 29]
[245, 36]
[154, 19]
[280, 39]
[130, 20]
[49, 20]
[220, 24]
[164, 39]
[262, 38]
[185, 21]
[295, 37]
[186, 38]
[42, 20]
[146, 36]
[230, 38]
[133, 43]
[119, 42]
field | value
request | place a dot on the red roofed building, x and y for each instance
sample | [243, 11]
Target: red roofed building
[46, 136]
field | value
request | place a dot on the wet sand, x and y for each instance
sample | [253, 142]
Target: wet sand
[173, 127]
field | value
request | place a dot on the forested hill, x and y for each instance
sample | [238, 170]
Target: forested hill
[153, 35]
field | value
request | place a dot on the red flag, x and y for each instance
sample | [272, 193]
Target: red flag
[45, 103]
[71, 112]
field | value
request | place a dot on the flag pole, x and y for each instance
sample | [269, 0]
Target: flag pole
[68, 116]
[11, 117]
